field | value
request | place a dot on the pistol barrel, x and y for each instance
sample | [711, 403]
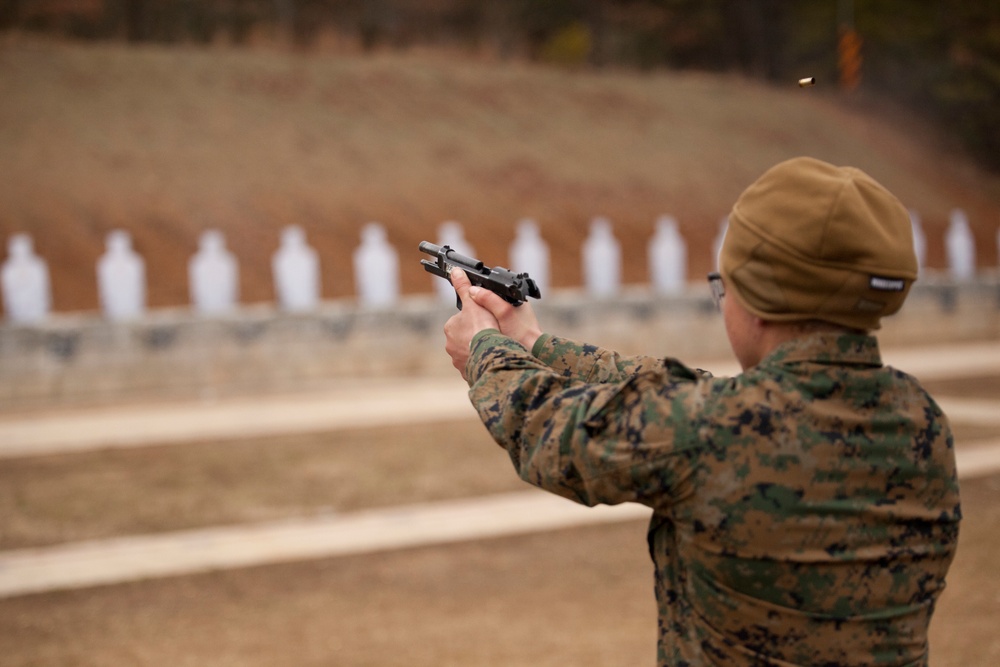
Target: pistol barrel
[429, 248]
[447, 255]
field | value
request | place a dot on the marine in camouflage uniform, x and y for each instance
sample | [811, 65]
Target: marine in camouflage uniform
[805, 512]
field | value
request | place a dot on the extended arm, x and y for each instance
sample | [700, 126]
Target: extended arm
[607, 442]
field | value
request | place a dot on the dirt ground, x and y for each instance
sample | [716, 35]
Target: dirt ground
[51, 499]
[572, 597]
[579, 596]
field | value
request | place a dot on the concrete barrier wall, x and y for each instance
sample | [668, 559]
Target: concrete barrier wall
[173, 354]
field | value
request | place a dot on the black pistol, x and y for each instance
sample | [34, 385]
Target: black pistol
[514, 288]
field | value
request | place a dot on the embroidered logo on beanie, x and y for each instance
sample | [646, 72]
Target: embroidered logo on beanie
[883, 284]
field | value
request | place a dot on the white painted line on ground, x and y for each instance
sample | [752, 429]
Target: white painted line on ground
[402, 402]
[359, 404]
[945, 361]
[977, 459]
[122, 559]
[131, 558]
[973, 411]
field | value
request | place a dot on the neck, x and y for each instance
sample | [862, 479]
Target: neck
[771, 335]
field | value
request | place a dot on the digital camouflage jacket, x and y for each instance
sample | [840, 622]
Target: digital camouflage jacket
[805, 512]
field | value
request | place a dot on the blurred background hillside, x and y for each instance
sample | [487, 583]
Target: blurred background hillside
[935, 54]
[167, 117]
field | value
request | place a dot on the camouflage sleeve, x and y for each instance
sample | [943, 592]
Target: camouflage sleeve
[588, 363]
[597, 442]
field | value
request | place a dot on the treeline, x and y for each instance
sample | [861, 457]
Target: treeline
[940, 56]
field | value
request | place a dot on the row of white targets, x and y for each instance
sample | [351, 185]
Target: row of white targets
[213, 271]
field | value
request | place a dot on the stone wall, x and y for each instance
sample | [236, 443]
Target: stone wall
[81, 359]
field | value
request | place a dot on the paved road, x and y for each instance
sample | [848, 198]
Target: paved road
[137, 557]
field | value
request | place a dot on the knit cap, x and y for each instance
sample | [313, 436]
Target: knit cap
[809, 240]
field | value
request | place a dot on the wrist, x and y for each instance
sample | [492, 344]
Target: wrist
[529, 338]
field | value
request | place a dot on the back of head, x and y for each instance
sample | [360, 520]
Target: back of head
[811, 241]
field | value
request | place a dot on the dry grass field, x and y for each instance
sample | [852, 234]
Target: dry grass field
[166, 142]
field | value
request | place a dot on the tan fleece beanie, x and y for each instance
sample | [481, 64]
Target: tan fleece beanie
[809, 240]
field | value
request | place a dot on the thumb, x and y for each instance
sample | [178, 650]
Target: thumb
[489, 300]
[461, 283]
